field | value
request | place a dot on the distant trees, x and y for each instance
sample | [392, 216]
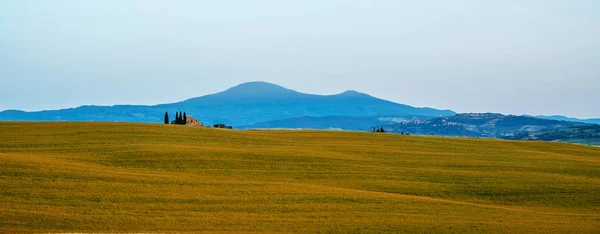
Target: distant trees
[180, 118]
[222, 126]
[380, 129]
[374, 129]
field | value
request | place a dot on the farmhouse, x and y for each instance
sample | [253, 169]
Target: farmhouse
[190, 121]
[193, 122]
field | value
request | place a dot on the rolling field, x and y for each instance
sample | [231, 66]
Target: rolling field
[119, 177]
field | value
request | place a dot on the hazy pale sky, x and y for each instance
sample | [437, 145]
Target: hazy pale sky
[508, 56]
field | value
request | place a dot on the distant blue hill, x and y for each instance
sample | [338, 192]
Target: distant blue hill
[358, 123]
[245, 104]
[482, 125]
[564, 118]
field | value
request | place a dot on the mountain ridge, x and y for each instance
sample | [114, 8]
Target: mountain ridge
[244, 104]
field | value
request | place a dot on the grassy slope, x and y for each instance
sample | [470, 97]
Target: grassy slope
[135, 177]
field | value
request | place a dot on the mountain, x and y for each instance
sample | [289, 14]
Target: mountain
[480, 125]
[564, 118]
[245, 104]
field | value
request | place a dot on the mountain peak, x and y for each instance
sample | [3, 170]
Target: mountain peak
[257, 84]
[352, 93]
[257, 88]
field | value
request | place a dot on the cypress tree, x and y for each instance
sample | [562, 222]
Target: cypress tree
[176, 117]
[184, 118]
[181, 118]
[166, 117]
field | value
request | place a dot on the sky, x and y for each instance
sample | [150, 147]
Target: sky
[539, 57]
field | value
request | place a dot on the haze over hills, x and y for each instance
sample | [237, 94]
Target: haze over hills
[245, 104]
[564, 118]
[358, 123]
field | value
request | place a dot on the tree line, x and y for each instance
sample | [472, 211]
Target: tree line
[378, 129]
[180, 118]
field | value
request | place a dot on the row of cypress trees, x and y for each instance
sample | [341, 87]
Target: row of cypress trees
[378, 130]
[180, 118]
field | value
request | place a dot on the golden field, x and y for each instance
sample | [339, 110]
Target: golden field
[124, 177]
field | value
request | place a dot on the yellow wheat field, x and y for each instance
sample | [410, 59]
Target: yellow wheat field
[118, 177]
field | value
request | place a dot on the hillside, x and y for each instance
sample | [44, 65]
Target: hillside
[123, 177]
[245, 104]
[586, 134]
[480, 125]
